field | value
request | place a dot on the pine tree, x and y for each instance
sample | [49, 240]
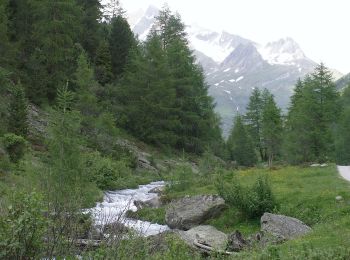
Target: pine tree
[103, 64]
[271, 129]
[4, 43]
[342, 133]
[55, 33]
[239, 144]
[113, 9]
[198, 122]
[253, 118]
[311, 119]
[121, 41]
[86, 86]
[342, 138]
[92, 15]
[147, 96]
[18, 112]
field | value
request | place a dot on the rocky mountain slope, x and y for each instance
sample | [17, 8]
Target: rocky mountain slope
[343, 82]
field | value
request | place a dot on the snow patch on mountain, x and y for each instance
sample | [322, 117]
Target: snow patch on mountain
[283, 52]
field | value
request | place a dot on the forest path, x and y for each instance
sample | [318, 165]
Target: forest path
[344, 171]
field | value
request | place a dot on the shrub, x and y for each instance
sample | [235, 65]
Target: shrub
[252, 201]
[22, 228]
[15, 146]
[209, 163]
[105, 172]
[181, 179]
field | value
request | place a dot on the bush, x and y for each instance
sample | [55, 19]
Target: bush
[22, 228]
[105, 172]
[15, 146]
[252, 201]
[209, 163]
[181, 179]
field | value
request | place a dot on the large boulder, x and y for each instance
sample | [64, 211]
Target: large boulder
[283, 227]
[188, 212]
[205, 235]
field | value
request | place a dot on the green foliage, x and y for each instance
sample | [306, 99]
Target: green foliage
[209, 163]
[91, 17]
[153, 215]
[272, 129]
[240, 145]
[253, 119]
[23, 227]
[253, 201]
[147, 97]
[15, 146]
[55, 31]
[162, 98]
[311, 118]
[181, 178]
[18, 112]
[342, 133]
[106, 173]
[103, 63]
[121, 41]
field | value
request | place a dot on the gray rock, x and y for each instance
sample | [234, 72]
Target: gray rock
[236, 242]
[206, 235]
[263, 239]
[141, 157]
[157, 190]
[152, 203]
[283, 227]
[191, 211]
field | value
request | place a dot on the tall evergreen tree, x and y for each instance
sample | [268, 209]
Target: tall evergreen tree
[121, 41]
[147, 96]
[92, 15]
[253, 118]
[271, 129]
[199, 124]
[342, 133]
[311, 119]
[18, 112]
[4, 43]
[239, 144]
[56, 30]
[103, 64]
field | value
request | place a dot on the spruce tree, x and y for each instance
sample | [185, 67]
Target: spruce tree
[271, 129]
[92, 15]
[198, 122]
[147, 96]
[103, 64]
[18, 112]
[311, 119]
[342, 133]
[121, 41]
[253, 118]
[4, 42]
[55, 31]
[239, 144]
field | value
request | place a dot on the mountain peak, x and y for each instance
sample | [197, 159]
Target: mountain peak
[152, 11]
[284, 51]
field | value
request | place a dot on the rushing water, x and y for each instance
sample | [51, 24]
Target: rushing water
[116, 203]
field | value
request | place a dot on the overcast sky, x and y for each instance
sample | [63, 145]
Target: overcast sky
[321, 27]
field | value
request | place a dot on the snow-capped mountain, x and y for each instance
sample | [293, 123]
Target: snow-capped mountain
[284, 52]
[235, 65]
